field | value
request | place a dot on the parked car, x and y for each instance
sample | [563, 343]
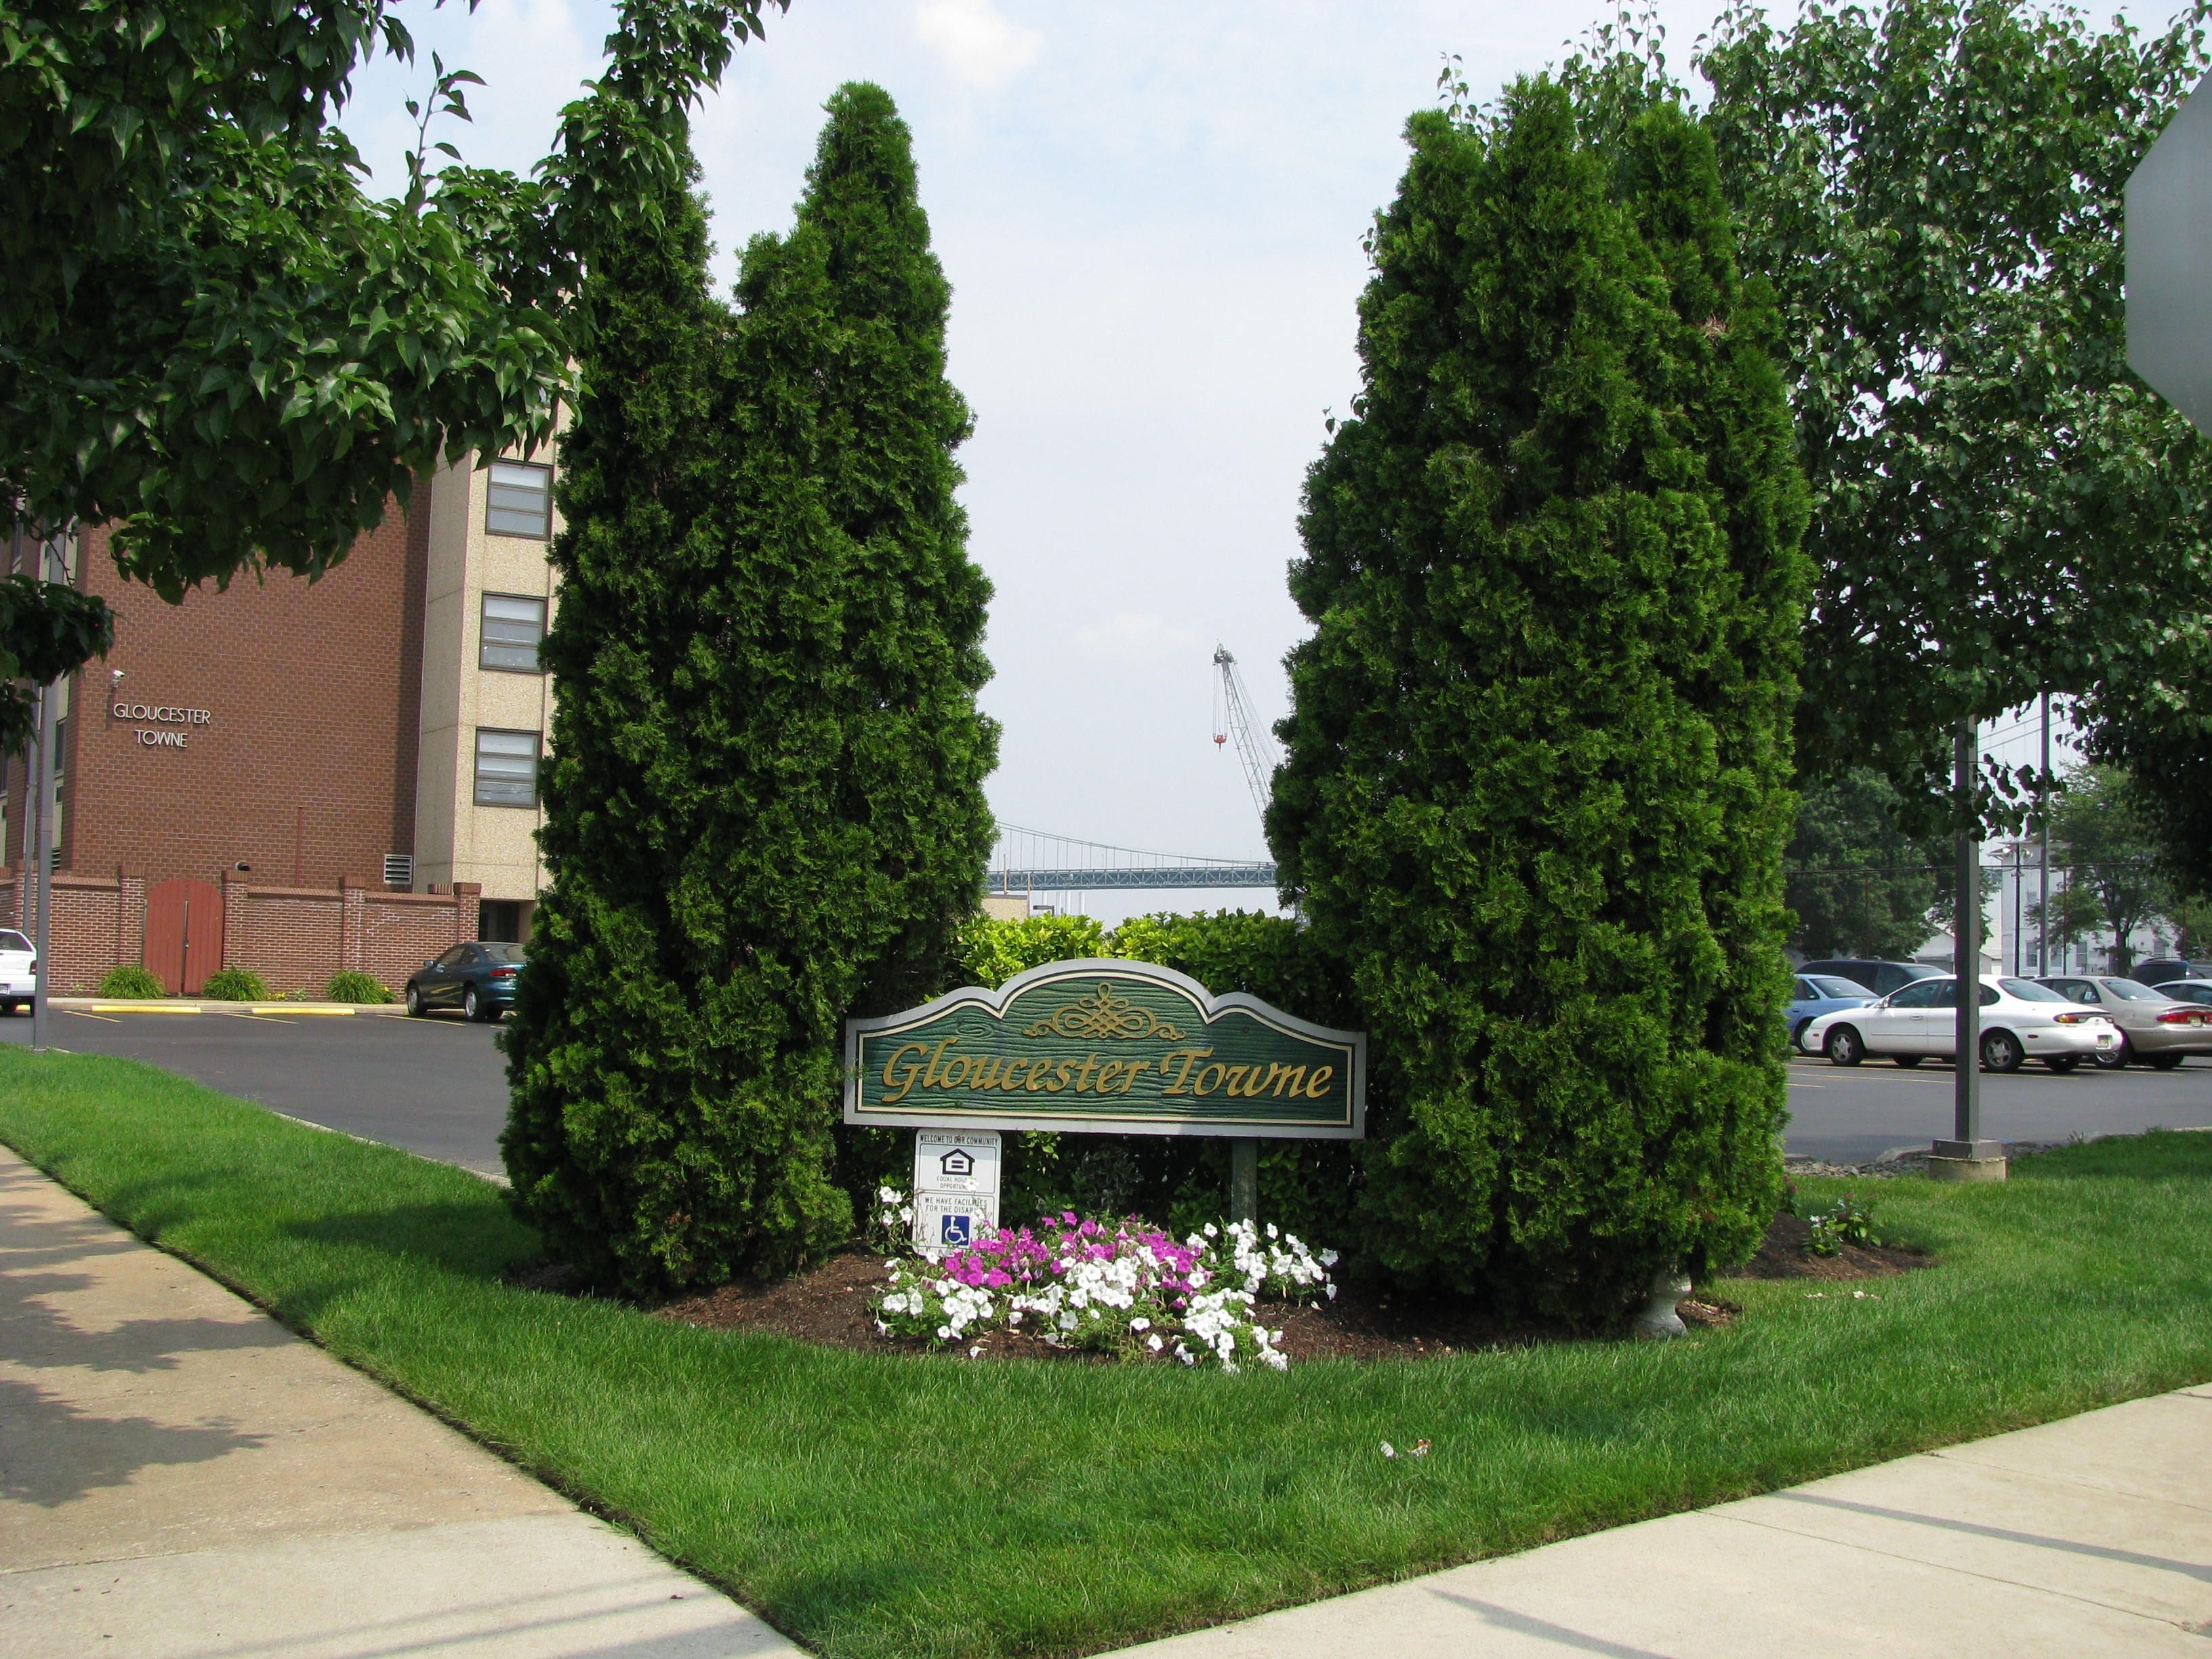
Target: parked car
[19, 970]
[2161, 970]
[1879, 977]
[2020, 1020]
[1814, 994]
[477, 978]
[2158, 1030]
[2190, 990]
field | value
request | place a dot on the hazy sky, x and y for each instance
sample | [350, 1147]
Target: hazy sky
[1150, 215]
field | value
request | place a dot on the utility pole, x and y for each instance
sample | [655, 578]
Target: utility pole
[42, 819]
[2043, 856]
[1966, 1156]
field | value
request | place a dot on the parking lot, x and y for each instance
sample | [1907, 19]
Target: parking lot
[438, 1086]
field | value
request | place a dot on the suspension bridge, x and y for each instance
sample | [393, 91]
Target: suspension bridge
[1038, 861]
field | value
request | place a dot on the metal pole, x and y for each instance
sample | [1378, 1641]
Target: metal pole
[1244, 1180]
[42, 840]
[2043, 830]
[1967, 1087]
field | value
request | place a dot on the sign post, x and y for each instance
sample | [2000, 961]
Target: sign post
[1100, 1046]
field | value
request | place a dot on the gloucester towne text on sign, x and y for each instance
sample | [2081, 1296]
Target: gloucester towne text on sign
[1112, 1046]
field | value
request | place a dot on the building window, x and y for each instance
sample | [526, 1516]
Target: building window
[521, 502]
[512, 626]
[507, 768]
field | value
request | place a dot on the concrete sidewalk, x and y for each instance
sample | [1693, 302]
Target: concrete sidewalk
[2087, 1537]
[180, 1477]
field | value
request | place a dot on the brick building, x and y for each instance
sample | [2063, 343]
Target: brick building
[296, 776]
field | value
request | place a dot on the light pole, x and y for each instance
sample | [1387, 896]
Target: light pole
[51, 558]
[1966, 1156]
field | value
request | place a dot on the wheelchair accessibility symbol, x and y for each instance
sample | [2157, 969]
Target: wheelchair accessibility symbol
[955, 1230]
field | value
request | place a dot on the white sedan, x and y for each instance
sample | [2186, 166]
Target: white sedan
[2020, 1019]
[18, 970]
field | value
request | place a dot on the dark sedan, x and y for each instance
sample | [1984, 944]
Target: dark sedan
[477, 978]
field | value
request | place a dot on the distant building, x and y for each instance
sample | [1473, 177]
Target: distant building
[378, 731]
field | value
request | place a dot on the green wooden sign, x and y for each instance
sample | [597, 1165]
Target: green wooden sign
[1111, 1047]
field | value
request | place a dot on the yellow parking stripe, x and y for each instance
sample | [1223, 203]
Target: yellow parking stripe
[81, 1014]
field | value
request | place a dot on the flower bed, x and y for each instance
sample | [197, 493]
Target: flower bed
[1118, 1287]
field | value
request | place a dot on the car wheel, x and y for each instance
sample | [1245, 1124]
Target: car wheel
[2162, 1063]
[1910, 1060]
[1797, 1035]
[2062, 1064]
[2118, 1055]
[2001, 1052]
[469, 1003]
[1843, 1046]
[413, 1000]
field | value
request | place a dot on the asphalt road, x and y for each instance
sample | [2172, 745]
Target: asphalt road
[438, 1086]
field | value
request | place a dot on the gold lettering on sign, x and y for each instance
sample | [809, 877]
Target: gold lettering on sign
[1320, 1084]
[900, 1080]
[1189, 1057]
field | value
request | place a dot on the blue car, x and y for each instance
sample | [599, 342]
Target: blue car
[1814, 994]
[477, 978]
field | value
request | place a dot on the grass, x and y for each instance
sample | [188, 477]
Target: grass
[887, 1504]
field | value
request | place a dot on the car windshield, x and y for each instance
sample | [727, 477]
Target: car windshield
[12, 940]
[504, 953]
[1828, 985]
[2029, 991]
[2128, 990]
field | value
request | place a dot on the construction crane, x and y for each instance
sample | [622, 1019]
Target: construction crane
[1232, 718]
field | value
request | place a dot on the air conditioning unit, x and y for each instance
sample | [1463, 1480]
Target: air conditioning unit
[399, 870]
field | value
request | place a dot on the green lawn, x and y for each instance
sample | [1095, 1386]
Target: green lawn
[897, 1505]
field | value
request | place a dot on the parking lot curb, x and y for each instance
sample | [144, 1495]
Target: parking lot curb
[131, 1007]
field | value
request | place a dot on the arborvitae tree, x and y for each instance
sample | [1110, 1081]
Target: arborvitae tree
[1536, 791]
[764, 800]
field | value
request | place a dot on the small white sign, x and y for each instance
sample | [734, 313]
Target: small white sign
[956, 1186]
[956, 1160]
[953, 1221]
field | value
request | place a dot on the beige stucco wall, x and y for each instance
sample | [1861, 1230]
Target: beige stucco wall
[455, 839]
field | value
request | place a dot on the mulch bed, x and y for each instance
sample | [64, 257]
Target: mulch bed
[829, 1305]
[1783, 1254]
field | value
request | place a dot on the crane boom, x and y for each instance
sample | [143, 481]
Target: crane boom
[1232, 721]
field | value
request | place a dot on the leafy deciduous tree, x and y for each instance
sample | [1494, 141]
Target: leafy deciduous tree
[1999, 506]
[1859, 884]
[210, 336]
[2109, 849]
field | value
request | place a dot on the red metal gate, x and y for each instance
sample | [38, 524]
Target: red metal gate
[184, 934]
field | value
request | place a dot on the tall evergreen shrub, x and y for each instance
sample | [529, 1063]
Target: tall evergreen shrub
[1536, 782]
[764, 802]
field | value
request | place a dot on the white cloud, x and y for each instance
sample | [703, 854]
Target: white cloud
[1136, 638]
[980, 45]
